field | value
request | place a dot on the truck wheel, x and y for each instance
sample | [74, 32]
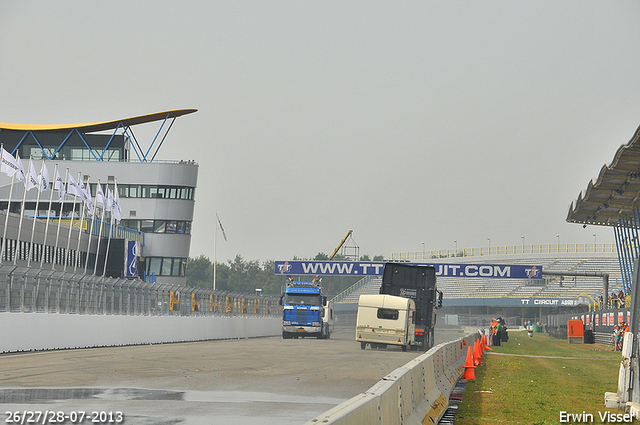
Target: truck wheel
[285, 335]
[404, 348]
[363, 345]
[328, 334]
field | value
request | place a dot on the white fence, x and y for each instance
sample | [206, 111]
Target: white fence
[33, 331]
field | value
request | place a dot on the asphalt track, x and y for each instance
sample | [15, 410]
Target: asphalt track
[243, 381]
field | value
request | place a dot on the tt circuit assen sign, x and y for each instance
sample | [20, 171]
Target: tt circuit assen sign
[373, 268]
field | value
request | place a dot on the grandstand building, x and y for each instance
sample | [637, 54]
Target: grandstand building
[157, 197]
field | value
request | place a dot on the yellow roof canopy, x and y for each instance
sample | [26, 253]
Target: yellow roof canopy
[98, 126]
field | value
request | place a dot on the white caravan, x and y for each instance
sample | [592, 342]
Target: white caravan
[386, 320]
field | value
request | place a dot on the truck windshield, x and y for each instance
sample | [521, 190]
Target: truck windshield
[302, 299]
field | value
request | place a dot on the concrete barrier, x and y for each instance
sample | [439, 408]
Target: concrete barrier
[416, 393]
[42, 331]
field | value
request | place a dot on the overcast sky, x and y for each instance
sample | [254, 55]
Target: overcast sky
[408, 122]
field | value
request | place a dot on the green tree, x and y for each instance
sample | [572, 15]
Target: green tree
[199, 272]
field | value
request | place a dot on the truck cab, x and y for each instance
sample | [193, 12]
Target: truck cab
[386, 320]
[305, 311]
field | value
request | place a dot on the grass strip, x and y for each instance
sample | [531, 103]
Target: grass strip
[519, 388]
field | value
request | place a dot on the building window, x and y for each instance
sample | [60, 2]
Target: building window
[166, 266]
[146, 226]
[153, 265]
[150, 191]
[171, 226]
[158, 226]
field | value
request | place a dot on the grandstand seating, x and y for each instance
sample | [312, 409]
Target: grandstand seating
[548, 287]
[372, 286]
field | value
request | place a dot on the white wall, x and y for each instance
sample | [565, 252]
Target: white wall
[40, 331]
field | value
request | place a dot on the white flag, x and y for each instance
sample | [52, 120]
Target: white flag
[9, 164]
[20, 175]
[59, 186]
[88, 202]
[108, 205]
[117, 208]
[32, 180]
[100, 195]
[44, 178]
[73, 187]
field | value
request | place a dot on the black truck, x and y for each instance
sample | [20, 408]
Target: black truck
[417, 282]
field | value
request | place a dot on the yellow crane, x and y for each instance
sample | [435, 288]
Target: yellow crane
[341, 243]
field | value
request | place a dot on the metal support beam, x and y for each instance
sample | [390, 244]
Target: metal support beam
[604, 276]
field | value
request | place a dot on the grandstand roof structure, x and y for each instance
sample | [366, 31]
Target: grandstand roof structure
[51, 138]
[101, 125]
[615, 196]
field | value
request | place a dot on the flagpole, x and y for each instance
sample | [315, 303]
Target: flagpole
[106, 254]
[93, 219]
[215, 242]
[6, 220]
[84, 207]
[46, 226]
[73, 213]
[35, 215]
[4, 236]
[104, 209]
[24, 199]
[78, 259]
[55, 247]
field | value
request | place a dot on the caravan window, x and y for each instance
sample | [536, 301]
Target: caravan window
[387, 313]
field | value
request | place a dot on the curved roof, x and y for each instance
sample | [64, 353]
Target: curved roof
[98, 126]
[615, 195]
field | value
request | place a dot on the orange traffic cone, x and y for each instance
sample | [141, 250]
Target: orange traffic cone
[469, 373]
[477, 356]
[486, 343]
[486, 346]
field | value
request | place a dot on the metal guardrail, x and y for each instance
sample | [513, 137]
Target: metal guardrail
[34, 290]
[569, 248]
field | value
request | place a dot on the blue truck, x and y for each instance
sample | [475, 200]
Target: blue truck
[305, 311]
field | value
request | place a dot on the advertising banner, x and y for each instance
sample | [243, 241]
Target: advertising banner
[131, 260]
[373, 268]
